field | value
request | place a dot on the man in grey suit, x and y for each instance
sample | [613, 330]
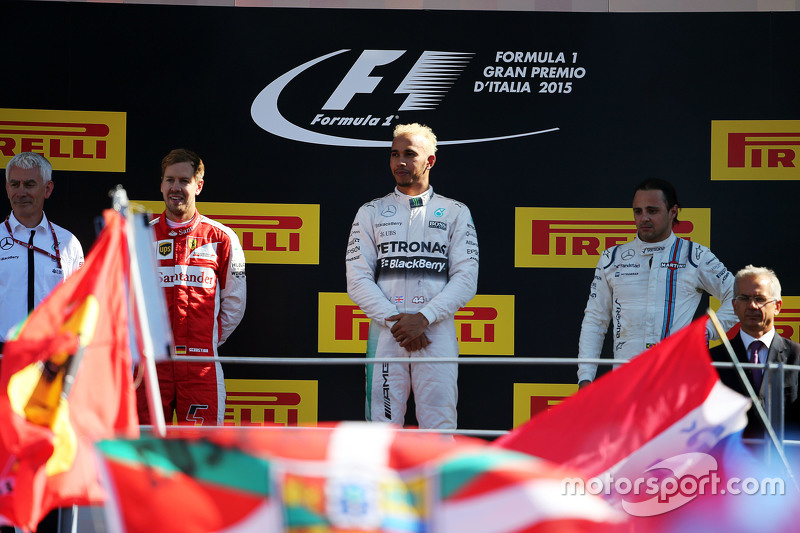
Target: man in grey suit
[757, 301]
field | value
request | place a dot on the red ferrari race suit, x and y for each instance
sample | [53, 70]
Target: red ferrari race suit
[201, 268]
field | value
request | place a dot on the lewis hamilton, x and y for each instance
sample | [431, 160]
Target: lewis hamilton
[412, 262]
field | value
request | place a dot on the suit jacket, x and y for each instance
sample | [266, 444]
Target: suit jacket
[781, 350]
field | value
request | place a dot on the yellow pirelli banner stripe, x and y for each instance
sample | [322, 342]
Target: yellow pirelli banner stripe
[755, 149]
[534, 398]
[485, 326]
[567, 237]
[271, 402]
[285, 234]
[88, 141]
[787, 323]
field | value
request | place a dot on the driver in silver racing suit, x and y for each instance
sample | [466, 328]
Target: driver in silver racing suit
[412, 258]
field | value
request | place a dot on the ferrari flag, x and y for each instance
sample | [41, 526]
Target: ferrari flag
[65, 382]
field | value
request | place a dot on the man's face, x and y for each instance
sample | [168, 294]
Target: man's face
[653, 219]
[27, 193]
[179, 189]
[755, 320]
[410, 160]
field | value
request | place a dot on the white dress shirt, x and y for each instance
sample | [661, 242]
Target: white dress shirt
[47, 274]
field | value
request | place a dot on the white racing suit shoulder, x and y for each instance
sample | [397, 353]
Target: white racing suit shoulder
[646, 291]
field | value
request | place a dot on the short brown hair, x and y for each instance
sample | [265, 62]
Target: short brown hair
[182, 155]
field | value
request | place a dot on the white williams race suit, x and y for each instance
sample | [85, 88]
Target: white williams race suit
[648, 291]
[407, 255]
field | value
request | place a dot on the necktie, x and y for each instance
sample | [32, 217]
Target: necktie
[31, 272]
[758, 373]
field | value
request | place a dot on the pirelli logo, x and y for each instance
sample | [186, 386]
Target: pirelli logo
[270, 402]
[71, 140]
[755, 150]
[485, 326]
[269, 233]
[553, 237]
[533, 398]
[787, 323]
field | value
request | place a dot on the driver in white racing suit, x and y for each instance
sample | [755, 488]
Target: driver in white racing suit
[412, 262]
[650, 287]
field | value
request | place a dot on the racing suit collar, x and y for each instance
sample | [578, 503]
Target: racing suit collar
[404, 198]
[162, 222]
[650, 248]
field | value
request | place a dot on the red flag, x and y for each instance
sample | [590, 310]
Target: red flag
[665, 409]
[65, 381]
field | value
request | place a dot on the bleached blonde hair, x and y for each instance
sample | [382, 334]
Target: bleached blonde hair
[418, 129]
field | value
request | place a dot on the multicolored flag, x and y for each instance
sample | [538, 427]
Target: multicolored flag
[350, 477]
[660, 414]
[65, 382]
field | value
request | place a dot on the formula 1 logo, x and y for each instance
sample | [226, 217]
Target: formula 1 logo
[426, 84]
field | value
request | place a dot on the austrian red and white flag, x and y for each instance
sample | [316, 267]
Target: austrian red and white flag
[665, 409]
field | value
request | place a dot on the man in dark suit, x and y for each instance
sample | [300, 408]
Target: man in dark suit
[757, 301]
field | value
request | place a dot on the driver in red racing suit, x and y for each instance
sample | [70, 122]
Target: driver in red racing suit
[201, 268]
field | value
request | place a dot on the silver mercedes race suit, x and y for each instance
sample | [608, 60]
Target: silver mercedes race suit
[648, 291]
[408, 255]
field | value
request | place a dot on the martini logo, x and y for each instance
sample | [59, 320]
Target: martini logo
[70, 140]
[359, 107]
[270, 402]
[574, 238]
[485, 326]
[269, 233]
[533, 398]
[755, 150]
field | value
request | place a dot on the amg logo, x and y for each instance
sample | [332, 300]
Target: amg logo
[165, 248]
[435, 224]
[387, 401]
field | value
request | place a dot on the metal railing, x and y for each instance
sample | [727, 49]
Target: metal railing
[774, 377]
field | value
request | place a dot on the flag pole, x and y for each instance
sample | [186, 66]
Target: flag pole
[121, 204]
[756, 402]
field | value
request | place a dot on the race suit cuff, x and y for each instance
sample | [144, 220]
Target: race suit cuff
[586, 375]
[429, 314]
